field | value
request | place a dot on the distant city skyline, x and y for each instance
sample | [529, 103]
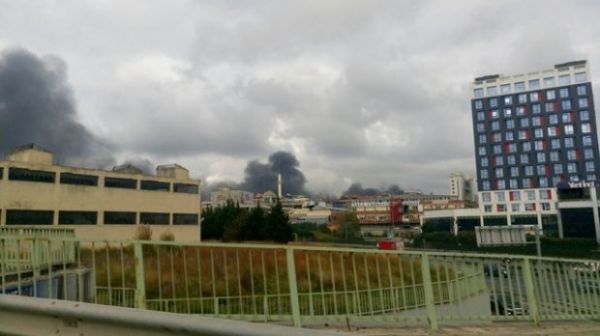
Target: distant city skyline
[366, 92]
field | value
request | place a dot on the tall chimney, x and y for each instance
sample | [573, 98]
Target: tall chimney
[279, 186]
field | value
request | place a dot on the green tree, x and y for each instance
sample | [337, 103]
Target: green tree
[253, 224]
[349, 227]
[278, 227]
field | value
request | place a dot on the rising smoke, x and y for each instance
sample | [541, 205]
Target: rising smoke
[260, 177]
[37, 106]
[357, 189]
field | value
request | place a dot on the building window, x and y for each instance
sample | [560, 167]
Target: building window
[185, 219]
[515, 207]
[512, 183]
[543, 182]
[500, 196]
[569, 143]
[571, 154]
[530, 195]
[552, 131]
[486, 185]
[586, 128]
[581, 90]
[480, 127]
[536, 108]
[564, 80]
[499, 172]
[558, 168]
[497, 149]
[185, 188]
[519, 86]
[563, 93]
[580, 77]
[29, 217]
[524, 158]
[565, 105]
[155, 185]
[528, 170]
[154, 218]
[512, 159]
[494, 114]
[574, 178]
[550, 95]
[115, 182]
[484, 173]
[539, 145]
[492, 90]
[590, 177]
[571, 168]
[501, 184]
[590, 167]
[555, 143]
[534, 84]
[583, 102]
[508, 100]
[497, 137]
[586, 140]
[481, 116]
[509, 136]
[23, 174]
[507, 112]
[487, 208]
[566, 118]
[486, 197]
[540, 169]
[514, 171]
[529, 206]
[549, 82]
[569, 129]
[499, 160]
[538, 133]
[541, 157]
[495, 125]
[510, 124]
[524, 122]
[478, 93]
[545, 206]
[501, 207]
[545, 195]
[584, 115]
[536, 121]
[549, 107]
[505, 88]
[588, 154]
[534, 96]
[78, 179]
[526, 182]
[119, 217]
[485, 162]
[515, 195]
[554, 156]
[522, 98]
[522, 135]
[78, 217]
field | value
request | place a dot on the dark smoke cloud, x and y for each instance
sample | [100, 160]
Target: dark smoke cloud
[37, 106]
[357, 189]
[260, 177]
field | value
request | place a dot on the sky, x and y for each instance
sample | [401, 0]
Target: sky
[371, 92]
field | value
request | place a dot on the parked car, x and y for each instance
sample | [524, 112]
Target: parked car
[387, 244]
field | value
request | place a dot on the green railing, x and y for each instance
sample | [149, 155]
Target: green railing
[299, 284]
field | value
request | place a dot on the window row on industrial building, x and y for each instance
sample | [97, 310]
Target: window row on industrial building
[30, 175]
[46, 217]
[564, 94]
[532, 84]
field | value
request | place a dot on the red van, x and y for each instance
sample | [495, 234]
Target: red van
[386, 245]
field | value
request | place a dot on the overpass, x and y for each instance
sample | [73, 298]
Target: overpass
[298, 285]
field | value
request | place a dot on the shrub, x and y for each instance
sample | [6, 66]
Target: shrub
[143, 232]
[167, 236]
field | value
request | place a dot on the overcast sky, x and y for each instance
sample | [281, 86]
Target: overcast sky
[375, 92]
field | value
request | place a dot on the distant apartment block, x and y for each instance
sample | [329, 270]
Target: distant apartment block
[244, 199]
[97, 203]
[462, 187]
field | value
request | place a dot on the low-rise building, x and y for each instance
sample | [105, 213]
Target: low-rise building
[97, 203]
[243, 199]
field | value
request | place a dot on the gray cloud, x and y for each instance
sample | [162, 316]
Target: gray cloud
[36, 105]
[364, 91]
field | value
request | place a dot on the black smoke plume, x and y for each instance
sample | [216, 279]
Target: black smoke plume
[37, 106]
[260, 177]
[357, 189]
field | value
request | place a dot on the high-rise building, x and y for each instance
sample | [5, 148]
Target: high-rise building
[534, 130]
[462, 187]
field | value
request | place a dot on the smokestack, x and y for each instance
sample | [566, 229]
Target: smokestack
[279, 186]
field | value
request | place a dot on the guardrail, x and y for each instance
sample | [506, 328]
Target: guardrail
[300, 284]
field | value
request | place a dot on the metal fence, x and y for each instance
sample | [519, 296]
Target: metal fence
[298, 284]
